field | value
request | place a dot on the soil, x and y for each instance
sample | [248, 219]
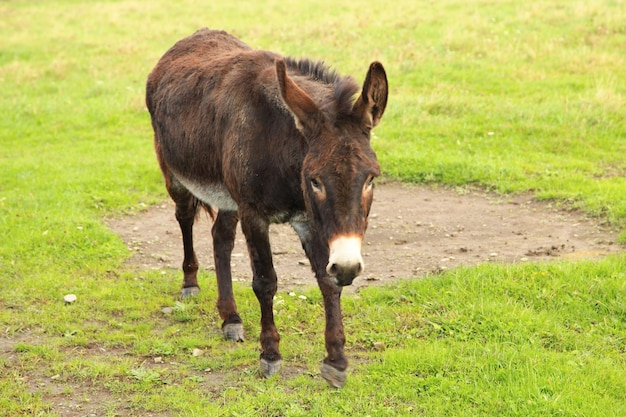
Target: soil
[413, 230]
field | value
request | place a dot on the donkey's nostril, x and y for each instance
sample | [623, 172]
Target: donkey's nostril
[333, 270]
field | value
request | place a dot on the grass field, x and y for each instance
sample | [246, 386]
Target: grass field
[509, 96]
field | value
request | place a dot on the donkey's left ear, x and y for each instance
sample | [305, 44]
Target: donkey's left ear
[306, 114]
[371, 104]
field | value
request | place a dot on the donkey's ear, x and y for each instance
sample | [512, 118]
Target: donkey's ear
[371, 104]
[304, 110]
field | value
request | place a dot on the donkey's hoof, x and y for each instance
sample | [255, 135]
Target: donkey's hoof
[333, 376]
[233, 331]
[189, 292]
[269, 368]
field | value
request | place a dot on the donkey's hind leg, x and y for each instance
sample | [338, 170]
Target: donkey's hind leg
[186, 209]
[223, 231]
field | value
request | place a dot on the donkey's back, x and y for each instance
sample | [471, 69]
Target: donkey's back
[181, 74]
[201, 102]
[188, 59]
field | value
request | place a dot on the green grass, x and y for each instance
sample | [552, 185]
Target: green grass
[507, 96]
[534, 340]
[516, 97]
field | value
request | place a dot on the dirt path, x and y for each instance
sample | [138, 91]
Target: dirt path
[412, 230]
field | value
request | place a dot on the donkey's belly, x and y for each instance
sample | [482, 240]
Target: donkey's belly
[215, 195]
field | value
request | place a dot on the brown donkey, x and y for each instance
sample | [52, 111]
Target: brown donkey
[254, 137]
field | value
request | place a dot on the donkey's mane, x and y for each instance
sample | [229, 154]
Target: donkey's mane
[344, 87]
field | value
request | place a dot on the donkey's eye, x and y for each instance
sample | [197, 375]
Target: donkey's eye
[316, 184]
[369, 183]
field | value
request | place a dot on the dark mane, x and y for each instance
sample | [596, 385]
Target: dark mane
[344, 87]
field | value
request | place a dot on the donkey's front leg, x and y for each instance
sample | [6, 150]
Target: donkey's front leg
[264, 284]
[335, 364]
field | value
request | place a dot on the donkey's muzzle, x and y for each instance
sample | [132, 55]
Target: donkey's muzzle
[344, 275]
[345, 262]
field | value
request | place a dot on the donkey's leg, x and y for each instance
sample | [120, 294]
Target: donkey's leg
[186, 209]
[335, 364]
[224, 230]
[264, 284]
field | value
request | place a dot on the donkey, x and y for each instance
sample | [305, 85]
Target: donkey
[251, 136]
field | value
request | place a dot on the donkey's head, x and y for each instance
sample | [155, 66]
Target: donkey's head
[339, 169]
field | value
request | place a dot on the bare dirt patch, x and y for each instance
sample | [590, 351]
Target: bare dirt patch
[413, 230]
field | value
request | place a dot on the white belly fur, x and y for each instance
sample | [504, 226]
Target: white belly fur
[215, 195]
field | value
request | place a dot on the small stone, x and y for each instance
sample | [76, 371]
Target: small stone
[302, 297]
[167, 310]
[196, 352]
[379, 346]
[57, 376]
[69, 298]
[158, 359]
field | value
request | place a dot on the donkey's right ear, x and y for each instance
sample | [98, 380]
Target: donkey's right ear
[306, 114]
[372, 102]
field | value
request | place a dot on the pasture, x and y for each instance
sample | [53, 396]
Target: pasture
[500, 96]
